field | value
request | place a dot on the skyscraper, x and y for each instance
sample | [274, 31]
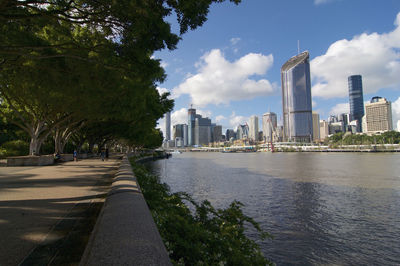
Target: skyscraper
[378, 115]
[168, 126]
[356, 100]
[202, 131]
[296, 99]
[253, 128]
[316, 128]
[185, 135]
[191, 125]
[269, 122]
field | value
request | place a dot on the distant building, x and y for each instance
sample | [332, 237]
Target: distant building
[202, 131]
[323, 130]
[191, 125]
[179, 142]
[242, 132]
[168, 126]
[230, 134]
[185, 135]
[296, 99]
[335, 128]
[315, 120]
[269, 123]
[356, 100]
[217, 133]
[378, 115]
[345, 118]
[177, 131]
[253, 128]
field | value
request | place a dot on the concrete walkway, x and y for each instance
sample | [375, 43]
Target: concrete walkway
[40, 205]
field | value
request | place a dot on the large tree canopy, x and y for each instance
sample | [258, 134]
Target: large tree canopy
[70, 64]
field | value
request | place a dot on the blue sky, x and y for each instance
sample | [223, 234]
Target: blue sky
[229, 68]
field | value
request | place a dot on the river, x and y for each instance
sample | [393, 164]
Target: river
[321, 208]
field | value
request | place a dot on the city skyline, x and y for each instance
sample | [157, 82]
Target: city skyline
[229, 69]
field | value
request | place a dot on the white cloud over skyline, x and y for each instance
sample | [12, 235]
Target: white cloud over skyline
[340, 108]
[219, 81]
[374, 56]
[396, 114]
[180, 116]
[235, 120]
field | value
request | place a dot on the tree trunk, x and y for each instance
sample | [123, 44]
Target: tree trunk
[34, 146]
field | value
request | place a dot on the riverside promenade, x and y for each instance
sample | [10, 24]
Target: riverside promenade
[47, 213]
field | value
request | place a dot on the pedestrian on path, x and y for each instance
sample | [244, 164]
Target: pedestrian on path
[75, 156]
[102, 153]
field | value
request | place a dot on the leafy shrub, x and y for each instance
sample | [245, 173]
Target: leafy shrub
[206, 236]
[14, 148]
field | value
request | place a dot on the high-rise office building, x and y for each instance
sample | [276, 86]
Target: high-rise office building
[168, 126]
[217, 133]
[253, 128]
[378, 115]
[296, 99]
[185, 135]
[316, 128]
[202, 131]
[356, 100]
[269, 124]
[242, 132]
[177, 131]
[323, 130]
[230, 135]
[191, 125]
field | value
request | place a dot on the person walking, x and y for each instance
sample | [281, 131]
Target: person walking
[75, 156]
[102, 153]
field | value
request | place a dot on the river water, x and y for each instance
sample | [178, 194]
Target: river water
[321, 208]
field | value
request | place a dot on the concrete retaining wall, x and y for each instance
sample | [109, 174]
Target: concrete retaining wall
[30, 160]
[66, 157]
[125, 233]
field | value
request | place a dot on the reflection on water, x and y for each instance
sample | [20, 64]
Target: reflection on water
[322, 208]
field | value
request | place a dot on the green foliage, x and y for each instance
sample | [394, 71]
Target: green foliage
[204, 236]
[389, 137]
[14, 148]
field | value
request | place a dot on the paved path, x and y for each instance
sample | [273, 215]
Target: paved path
[36, 203]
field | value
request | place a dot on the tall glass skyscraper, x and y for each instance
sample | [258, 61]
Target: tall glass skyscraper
[168, 126]
[191, 125]
[296, 99]
[356, 100]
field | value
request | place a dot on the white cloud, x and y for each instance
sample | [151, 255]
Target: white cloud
[181, 117]
[161, 91]
[314, 104]
[164, 64]
[374, 56]
[340, 108]
[220, 118]
[234, 41]
[219, 81]
[319, 2]
[396, 114]
[235, 120]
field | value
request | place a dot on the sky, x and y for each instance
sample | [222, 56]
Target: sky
[229, 68]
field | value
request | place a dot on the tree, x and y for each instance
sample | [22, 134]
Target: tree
[87, 50]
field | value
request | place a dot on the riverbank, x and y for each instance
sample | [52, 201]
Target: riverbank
[287, 147]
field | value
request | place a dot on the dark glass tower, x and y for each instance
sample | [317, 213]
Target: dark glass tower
[296, 99]
[191, 125]
[356, 100]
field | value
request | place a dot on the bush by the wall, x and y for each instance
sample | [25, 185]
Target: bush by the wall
[14, 148]
[205, 236]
